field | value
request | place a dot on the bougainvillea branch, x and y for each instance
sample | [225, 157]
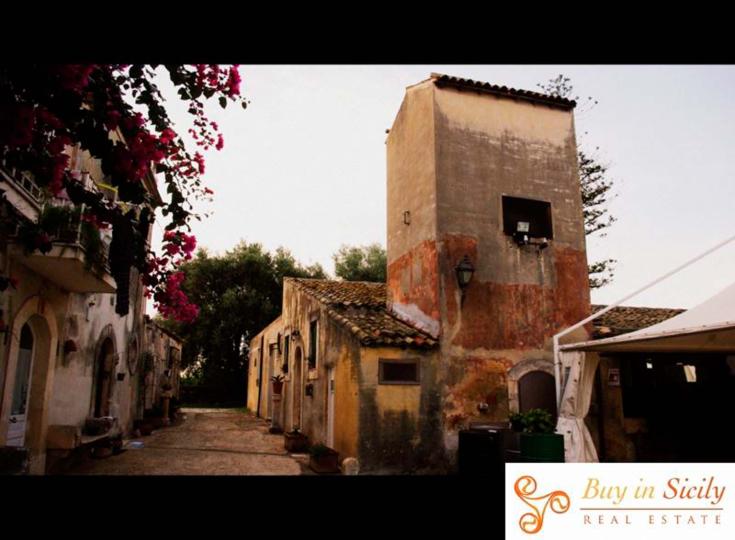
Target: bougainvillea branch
[45, 110]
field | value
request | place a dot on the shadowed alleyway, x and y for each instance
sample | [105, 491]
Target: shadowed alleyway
[207, 442]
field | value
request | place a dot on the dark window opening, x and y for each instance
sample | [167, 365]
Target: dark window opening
[313, 337]
[527, 216]
[286, 345]
[399, 372]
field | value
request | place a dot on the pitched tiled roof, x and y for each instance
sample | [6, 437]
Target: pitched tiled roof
[360, 307]
[527, 95]
[624, 319]
[344, 293]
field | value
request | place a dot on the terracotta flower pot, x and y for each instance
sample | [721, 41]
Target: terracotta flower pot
[295, 442]
[277, 387]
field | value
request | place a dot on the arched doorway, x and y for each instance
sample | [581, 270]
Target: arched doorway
[21, 389]
[33, 329]
[537, 390]
[103, 378]
[297, 388]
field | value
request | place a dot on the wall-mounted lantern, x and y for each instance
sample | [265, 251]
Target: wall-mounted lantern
[465, 270]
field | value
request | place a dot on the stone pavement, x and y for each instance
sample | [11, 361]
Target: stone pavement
[207, 442]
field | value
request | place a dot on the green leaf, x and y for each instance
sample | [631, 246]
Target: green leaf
[223, 101]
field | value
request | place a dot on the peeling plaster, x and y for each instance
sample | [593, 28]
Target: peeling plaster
[412, 314]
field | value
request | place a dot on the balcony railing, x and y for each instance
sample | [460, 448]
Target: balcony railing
[77, 261]
[24, 181]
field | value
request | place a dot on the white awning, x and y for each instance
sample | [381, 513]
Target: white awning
[708, 327]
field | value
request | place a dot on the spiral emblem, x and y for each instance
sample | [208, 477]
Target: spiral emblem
[531, 522]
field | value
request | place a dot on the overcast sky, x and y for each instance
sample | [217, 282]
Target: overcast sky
[304, 166]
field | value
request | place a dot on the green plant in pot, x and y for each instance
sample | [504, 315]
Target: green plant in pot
[323, 459]
[539, 442]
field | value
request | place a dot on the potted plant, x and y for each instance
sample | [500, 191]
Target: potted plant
[295, 441]
[538, 441]
[277, 381]
[323, 459]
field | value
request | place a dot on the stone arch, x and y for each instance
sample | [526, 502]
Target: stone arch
[42, 323]
[518, 371]
[105, 361]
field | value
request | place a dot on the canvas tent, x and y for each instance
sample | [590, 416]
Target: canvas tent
[706, 328]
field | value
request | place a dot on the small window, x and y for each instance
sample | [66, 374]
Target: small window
[313, 341]
[527, 216]
[286, 346]
[399, 372]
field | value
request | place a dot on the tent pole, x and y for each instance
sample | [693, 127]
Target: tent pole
[557, 359]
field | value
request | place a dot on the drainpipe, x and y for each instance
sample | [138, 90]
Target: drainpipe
[260, 374]
[557, 359]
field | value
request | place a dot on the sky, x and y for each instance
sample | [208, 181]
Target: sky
[304, 166]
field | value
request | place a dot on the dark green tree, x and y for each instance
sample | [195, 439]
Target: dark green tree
[238, 293]
[595, 183]
[361, 263]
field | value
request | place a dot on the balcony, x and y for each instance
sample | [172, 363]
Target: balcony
[21, 191]
[68, 265]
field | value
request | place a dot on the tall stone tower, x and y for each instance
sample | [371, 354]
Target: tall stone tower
[486, 175]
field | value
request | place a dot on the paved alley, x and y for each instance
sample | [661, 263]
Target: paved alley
[207, 442]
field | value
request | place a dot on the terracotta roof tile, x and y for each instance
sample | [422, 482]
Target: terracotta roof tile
[624, 319]
[527, 95]
[360, 307]
[344, 293]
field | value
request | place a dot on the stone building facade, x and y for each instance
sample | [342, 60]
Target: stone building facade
[482, 181]
[66, 355]
[162, 356]
[353, 374]
[488, 175]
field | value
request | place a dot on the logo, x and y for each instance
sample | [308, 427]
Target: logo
[531, 522]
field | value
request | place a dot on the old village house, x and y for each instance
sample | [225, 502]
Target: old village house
[67, 357]
[486, 263]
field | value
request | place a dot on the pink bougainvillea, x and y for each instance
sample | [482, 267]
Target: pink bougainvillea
[47, 108]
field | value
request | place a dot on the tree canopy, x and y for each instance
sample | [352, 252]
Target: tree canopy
[238, 294]
[595, 184]
[361, 263]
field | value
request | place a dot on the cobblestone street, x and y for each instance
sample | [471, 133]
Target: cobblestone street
[207, 442]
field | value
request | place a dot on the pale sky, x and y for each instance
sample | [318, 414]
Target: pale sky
[304, 166]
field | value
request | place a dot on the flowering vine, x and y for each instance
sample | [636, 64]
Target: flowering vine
[45, 109]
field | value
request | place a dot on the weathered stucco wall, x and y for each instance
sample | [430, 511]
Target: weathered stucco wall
[413, 291]
[488, 147]
[476, 148]
[259, 392]
[399, 423]
[387, 427]
[337, 349]
[75, 372]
